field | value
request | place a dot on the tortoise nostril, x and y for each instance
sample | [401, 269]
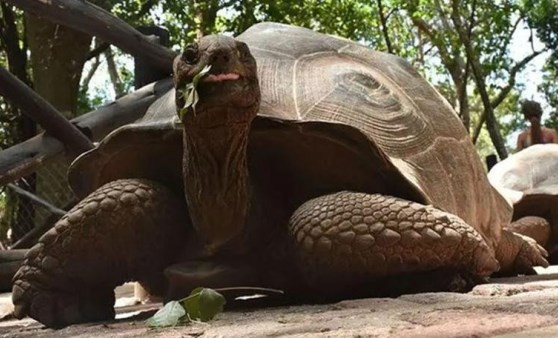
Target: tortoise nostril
[221, 58]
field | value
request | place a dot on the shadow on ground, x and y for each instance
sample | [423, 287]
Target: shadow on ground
[507, 307]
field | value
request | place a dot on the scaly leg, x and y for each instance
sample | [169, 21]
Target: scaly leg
[518, 254]
[126, 230]
[346, 240]
[538, 228]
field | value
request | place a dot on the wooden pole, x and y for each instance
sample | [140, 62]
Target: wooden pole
[90, 19]
[10, 261]
[43, 113]
[24, 158]
[36, 199]
[144, 73]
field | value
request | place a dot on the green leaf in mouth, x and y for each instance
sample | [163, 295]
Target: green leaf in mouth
[190, 93]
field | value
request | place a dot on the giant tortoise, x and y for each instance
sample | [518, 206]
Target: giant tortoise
[529, 180]
[347, 169]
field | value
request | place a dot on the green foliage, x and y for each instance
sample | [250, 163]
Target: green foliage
[169, 315]
[510, 122]
[542, 16]
[422, 31]
[190, 93]
[14, 127]
[202, 304]
[549, 87]
[88, 101]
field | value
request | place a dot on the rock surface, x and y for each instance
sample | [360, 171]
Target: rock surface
[513, 307]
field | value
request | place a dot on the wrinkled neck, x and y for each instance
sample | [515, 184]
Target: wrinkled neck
[216, 182]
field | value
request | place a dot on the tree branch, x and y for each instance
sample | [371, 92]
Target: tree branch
[145, 8]
[443, 18]
[98, 50]
[495, 135]
[384, 27]
[515, 25]
[503, 51]
[24, 158]
[85, 17]
[505, 90]
[36, 199]
[113, 73]
[90, 73]
[43, 113]
[433, 35]
[463, 98]
[17, 60]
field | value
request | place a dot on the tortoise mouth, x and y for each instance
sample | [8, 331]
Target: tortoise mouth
[230, 89]
[223, 84]
[220, 77]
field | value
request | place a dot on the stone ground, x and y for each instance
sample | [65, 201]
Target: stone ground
[513, 307]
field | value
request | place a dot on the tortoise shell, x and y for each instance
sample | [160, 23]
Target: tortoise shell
[529, 180]
[335, 115]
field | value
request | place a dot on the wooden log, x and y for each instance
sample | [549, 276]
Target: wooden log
[125, 110]
[12, 255]
[24, 158]
[37, 200]
[10, 261]
[88, 18]
[43, 113]
[143, 72]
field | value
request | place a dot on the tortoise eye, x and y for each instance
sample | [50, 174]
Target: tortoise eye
[190, 54]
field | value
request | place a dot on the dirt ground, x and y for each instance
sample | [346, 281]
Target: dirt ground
[514, 307]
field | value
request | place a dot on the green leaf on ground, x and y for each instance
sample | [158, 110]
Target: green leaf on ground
[169, 315]
[204, 304]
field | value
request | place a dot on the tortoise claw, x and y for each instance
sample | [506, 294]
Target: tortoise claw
[59, 309]
[531, 254]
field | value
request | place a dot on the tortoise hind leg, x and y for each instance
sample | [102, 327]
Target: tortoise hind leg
[349, 240]
[518, 254]
[126, 230]
[521, 246]
[538, 228]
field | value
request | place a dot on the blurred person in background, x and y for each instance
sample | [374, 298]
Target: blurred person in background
[536, 133]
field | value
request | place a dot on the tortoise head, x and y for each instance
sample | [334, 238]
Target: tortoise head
[222, 72]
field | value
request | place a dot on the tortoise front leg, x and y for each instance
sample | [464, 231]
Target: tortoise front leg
[349, 239]
[126, 230]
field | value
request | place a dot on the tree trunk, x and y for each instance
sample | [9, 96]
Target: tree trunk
[58, 55]
[113, 73]
[492, 125]
[385, 31]
[206, 14]
[57, 58]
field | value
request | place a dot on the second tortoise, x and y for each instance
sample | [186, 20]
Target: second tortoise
[529, 180]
